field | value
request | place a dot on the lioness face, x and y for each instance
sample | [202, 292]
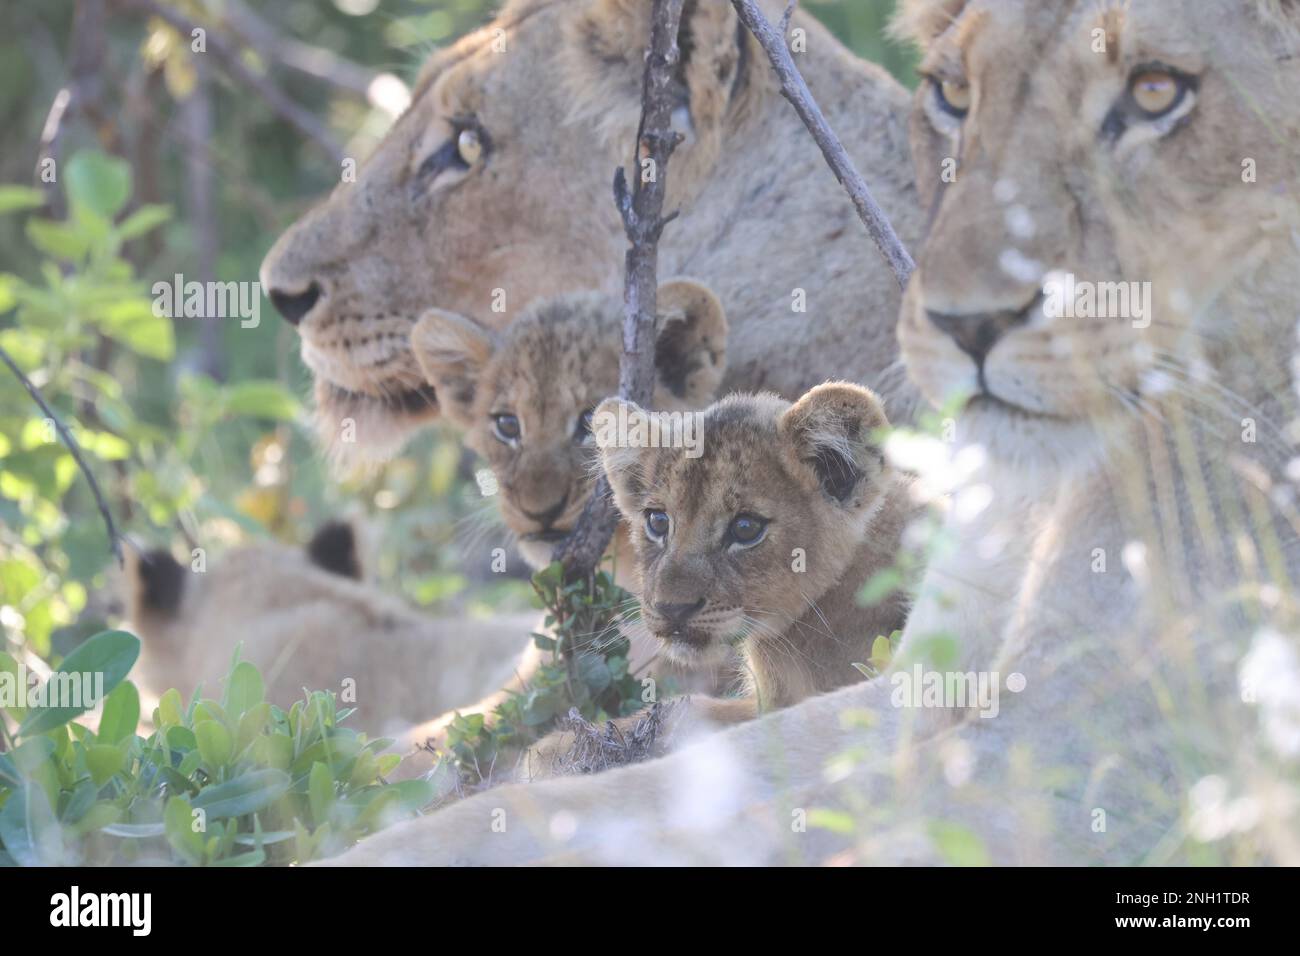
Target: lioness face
[737, 543]
[1089, 194]
[525, 396]
[491, 191]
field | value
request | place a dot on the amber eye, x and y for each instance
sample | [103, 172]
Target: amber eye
[954, 96]
[746, 530]
[506, 428]
[469, 146]
[1156, 92]
[656, 525]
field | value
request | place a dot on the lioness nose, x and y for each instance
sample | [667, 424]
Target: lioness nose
[548, 517]
[294, 305]
[977, 332]
[678, 614]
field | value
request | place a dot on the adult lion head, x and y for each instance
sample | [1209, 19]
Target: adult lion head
[1110, 223]
[494, 190]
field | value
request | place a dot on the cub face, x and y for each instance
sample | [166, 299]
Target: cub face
[736, 542]
[525, 396]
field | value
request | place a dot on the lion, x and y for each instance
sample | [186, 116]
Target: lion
[1120, 558]
[492, 191]
[763, 541]
[525, 396]
[307, 620]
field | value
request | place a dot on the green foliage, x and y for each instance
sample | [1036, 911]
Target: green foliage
[230, 782]
[587, 669]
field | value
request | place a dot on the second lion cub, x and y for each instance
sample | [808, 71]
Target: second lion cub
[761, 536]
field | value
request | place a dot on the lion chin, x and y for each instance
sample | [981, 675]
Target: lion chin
[360, 430]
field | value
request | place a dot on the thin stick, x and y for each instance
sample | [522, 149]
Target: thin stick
[794, 89]
[234, 65]
[641, 210]
[114, 542]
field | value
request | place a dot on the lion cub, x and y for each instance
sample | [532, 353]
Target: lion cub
[763, 536]
[525, 395]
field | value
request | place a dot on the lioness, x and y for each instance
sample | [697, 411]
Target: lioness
[525, 396]
[306, 620]
[1127, 550]
[493, 191]
[763, 540]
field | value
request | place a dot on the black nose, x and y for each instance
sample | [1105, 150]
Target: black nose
[678, 614]
[548, 517]
[977, 332]
[294, 305]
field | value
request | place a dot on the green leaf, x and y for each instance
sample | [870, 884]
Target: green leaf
[121, 714]
[170, 708]
[97, 182]
[133, 323]
[144, 219]
[57, 239]
[29, 830]
[214, 742]
[178, 822]
[110, 653]
[320, 792]
[881, 584]
[959, 846]
[246, 794]
[103, 761]
[244, 690]
[17, 198]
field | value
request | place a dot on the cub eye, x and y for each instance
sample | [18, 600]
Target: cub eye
[506, 428]
[746, 530]
[582, 430]
[656, 525]
[469, 146]
[954, 97]
[1156, 92]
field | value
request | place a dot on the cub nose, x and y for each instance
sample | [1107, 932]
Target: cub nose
[678, 614]
[294, 305]
[548, 517]
[975, 333]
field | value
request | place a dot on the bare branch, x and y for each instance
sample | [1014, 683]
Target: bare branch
[234, 65]
[641, 209]
[794, 89]
[114, 540]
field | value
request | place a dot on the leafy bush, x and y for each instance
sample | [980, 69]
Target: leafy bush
[234, 782]
[588, 670]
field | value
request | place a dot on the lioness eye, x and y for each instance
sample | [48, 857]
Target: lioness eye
[746, 529]
[954, 96]
[1156, 92]
[469, 146]
[656, 525]
[506, 428]
[582, 431]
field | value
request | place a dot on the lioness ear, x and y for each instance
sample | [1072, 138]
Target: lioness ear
[333, 548]
[606, 46]
[691, 346]
[621, 460]
[452, 351]
[829, 433]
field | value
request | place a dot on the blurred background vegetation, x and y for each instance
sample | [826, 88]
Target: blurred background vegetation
[167, 164]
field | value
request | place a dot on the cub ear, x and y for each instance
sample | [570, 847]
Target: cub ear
[621, 460]
[691, 346]
[452, 351]
[829, 432]
[333, 548]
[155, 584]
